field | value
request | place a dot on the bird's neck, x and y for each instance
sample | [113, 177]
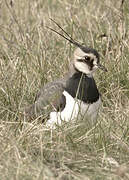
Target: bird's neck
[82, 87]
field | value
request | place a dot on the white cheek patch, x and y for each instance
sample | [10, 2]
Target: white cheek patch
[82, 67]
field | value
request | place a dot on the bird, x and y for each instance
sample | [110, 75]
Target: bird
[73, 96]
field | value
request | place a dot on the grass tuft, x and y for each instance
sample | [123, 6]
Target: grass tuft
[30, 56]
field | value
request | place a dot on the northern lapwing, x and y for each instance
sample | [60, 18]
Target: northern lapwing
[76, 94]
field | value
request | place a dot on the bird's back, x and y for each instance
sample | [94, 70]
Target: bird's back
[47, 99]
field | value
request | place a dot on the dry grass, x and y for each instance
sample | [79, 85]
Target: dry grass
[30, 56]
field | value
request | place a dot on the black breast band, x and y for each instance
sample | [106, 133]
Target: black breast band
[82, 87]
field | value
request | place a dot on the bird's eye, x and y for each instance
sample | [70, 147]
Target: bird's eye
[87, 58]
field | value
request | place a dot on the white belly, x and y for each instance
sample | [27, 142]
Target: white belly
[74, 109]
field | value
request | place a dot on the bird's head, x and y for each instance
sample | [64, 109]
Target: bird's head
[86, 60]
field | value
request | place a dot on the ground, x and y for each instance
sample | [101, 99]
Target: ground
[30, 56]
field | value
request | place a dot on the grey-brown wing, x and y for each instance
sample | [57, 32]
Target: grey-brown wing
[49, 98]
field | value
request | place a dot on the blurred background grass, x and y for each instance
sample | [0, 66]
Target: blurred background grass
[30, 56]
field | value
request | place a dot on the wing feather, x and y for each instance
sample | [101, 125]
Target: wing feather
[49, 98]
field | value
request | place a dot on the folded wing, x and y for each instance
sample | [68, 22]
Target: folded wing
[50, 98]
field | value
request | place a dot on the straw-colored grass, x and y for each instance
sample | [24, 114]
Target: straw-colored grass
[30, 56]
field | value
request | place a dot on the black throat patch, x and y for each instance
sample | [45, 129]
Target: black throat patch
[83, 88]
